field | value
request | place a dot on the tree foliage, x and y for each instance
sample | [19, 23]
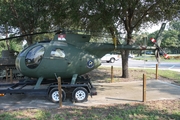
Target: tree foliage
[172, 37]
[175, 25]
[113, 16]
[117, 15]
[26, 16]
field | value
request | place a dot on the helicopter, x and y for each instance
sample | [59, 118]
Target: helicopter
[69, 56]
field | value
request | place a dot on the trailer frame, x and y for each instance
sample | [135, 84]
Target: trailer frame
[27, 86]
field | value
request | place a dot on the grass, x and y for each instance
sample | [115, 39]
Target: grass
[150, 110]
[103, 74]
[167, 74]
[172, 58]
[153, 110]
[28, 114]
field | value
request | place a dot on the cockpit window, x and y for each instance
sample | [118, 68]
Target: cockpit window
[34, 57]
[24, 50]
[58, 53]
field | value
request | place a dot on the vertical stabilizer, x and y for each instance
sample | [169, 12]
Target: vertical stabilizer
[159, 35]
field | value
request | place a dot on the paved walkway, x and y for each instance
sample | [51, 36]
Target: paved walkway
[108, 93]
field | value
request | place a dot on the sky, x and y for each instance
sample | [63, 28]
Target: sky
[154, 28]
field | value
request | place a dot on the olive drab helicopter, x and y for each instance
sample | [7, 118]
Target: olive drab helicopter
[69, 56]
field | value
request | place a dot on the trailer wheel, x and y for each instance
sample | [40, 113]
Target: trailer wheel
[80, 94]
[54, 95]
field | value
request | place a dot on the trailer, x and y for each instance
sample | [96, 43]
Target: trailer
[77, 92]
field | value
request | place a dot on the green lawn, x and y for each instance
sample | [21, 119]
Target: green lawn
[104, 74]
[173, 58]
[153, 110]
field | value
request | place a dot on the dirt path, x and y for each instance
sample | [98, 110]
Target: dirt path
[108, 93]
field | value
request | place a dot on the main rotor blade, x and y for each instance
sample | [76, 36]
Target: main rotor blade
[9, 38]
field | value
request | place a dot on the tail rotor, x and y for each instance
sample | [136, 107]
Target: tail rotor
[157, 43]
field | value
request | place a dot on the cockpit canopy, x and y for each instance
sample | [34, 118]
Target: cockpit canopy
[34, 57]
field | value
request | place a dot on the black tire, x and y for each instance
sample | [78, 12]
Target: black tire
[80, 94]
[54, 95]
[112, 60]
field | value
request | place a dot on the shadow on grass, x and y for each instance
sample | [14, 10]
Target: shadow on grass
[115, 112]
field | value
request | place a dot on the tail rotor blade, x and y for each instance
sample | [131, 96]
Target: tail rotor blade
[158, 36]
[157, 42]
[158, 50]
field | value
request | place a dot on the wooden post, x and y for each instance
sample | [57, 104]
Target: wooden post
[144, 88]
[60, 91]
[11, 76]
[112, 75]
[156, 71]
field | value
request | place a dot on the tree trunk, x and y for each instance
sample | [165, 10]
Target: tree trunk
[124, 57]
[125, 54]
[29, 40]
[7, 41]
[139, 53]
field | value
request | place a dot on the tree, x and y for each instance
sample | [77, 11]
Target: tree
[114, 16]
[171, 41]
[141, 40]
[175, 25]
[26, 16]
[125, 15]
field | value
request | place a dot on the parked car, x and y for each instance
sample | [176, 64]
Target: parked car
[131, 56]
[148, 52]
[110, 58]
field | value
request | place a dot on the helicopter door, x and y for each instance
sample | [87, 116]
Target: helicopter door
[57, 60]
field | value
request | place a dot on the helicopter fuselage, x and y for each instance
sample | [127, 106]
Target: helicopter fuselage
[55, 58]
[64, 56]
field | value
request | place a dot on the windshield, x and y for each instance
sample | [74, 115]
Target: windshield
[34, 57]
